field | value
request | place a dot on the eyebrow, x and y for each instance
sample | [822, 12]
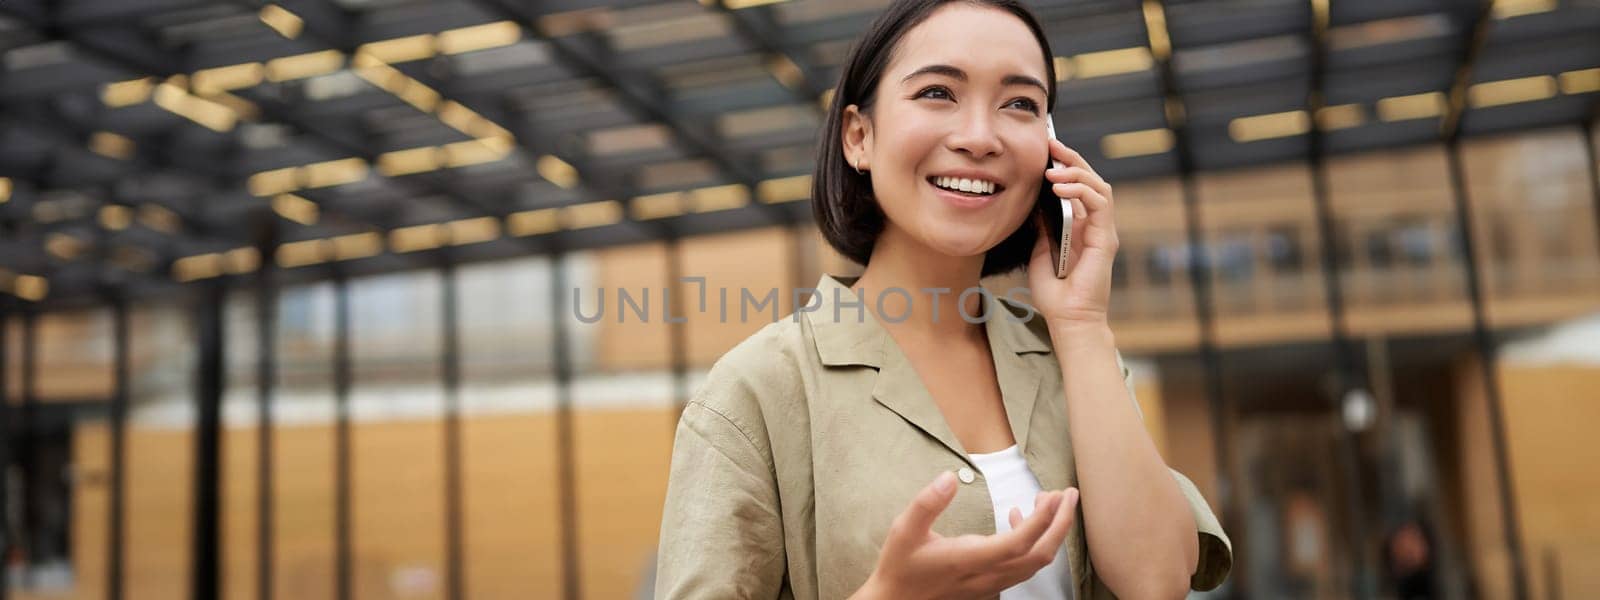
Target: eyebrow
[960, 75]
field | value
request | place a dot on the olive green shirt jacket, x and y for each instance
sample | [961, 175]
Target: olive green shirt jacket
[808, 438]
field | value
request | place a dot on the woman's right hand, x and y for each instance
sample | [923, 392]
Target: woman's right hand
[917, 563]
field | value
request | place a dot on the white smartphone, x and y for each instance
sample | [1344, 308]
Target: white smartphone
[1061, 228]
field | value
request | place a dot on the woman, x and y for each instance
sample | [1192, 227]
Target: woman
[867, 447]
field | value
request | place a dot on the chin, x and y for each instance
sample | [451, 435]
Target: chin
[961, 238]
[963, 245]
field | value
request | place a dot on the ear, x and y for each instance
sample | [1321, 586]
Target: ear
[857, 137]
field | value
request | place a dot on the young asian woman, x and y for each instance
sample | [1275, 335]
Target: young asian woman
[926, 443]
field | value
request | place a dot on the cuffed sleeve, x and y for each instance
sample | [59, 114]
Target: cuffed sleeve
[721, 531]
[1216, 550]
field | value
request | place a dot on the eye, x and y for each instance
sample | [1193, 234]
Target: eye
[937, 92]
[1026, 104]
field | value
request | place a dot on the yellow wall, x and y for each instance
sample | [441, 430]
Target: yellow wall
[512, 520]
[1186, 440]
[1550, 413]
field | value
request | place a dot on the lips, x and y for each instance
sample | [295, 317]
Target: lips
[965, 200]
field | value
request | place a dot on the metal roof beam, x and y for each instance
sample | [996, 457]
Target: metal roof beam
[154, 157]
[758, 28]
[1477, 21]
[138, 56]
[333, 28]
[587, 55]
[90, 13]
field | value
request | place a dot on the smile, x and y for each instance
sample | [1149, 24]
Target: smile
[973, 187]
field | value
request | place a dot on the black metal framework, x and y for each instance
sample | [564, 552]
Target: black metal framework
[677, 327]
[1488, 353]
[1456, 117]
[344, 553]
[116, 539]
[26, 435]
[450, 361]
[266, 303]
[206, 547]
[577, 71]
[1593, 160]
[6, 535]
[1349, 373]
[1174, 117]
[566, 457]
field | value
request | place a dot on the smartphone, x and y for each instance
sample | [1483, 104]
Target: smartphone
[1057, 213]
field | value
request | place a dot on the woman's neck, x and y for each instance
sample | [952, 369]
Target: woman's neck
[933, 283]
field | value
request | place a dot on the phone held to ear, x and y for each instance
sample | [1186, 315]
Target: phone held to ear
[1057, 213]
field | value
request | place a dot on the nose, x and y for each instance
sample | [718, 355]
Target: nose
[975, 135]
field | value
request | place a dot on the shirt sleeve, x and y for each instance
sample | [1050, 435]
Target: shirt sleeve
[721, 531]
[1216, 550]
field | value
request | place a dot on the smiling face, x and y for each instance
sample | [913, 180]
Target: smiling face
[961, 105]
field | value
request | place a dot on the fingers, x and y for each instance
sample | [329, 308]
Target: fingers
[914, 523]
[1016, 512]
[1081, 236]
[1014, 556]
[1078, 175]
[1069, 157]
[1075, 169]
[1012, 544]
[993, 563]
[1092, 199]
[1043, 550]
[1038, 522]
[1066, 512]
[1065, 174]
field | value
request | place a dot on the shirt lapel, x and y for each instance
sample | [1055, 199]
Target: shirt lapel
[1019, 380]
[901, 390]
[845, 340]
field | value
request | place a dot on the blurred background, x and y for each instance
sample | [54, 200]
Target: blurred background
[289, 291]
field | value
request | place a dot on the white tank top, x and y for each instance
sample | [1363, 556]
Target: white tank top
[1011, 484]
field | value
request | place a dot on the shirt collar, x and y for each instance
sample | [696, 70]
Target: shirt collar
[847, 334]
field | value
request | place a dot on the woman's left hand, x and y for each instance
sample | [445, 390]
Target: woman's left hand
[1085, 295]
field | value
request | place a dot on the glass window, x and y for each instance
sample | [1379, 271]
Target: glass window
[512, 516]
[624, 412]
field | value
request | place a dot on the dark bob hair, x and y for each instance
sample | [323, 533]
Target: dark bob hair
[841, 199]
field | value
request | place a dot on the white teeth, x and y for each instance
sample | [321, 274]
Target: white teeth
[974, 186]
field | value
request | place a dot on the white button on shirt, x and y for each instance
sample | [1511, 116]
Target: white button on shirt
[1011, 484]
[965, 475]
